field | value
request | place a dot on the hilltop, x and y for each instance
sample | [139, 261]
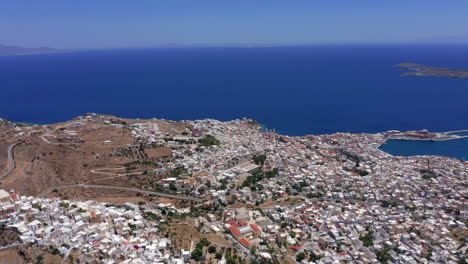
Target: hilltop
[78, 151]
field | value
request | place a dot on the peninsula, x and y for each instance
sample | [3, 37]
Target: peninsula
[422, 70]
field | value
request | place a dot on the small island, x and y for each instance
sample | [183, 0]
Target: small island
[422, 70]
[17, 50]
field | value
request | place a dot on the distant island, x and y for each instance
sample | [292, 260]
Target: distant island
[422, 70]
[17, 50]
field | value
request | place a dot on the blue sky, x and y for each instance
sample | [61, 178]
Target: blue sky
[148, 23]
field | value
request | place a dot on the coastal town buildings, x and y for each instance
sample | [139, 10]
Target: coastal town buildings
[122, 234]
[322, 199]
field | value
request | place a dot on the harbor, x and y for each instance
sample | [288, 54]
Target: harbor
[425, 135]
[419, 143]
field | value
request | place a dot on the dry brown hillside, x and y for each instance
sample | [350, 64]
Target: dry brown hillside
[79, 151]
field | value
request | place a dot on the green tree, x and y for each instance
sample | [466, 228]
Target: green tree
[383, 255]
[197, 253]
[367, 239]
[205, 242]
[55, 251]
[300, 256]
[259, 159]
[231, 260]
[208, 141]
[253, 250]
[212, 250]
[172, 187]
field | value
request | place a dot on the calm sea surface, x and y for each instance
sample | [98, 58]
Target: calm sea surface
[295, 90]
[454, 148]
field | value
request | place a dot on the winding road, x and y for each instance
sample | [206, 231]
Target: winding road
[160, 194]
[12, 166]
[11, 160]
[113, 175]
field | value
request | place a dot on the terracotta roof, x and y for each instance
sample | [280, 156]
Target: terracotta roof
[244, 242]
[242, 223]
[13, 196]
[233, 223]
[234, 231]
[255, 228]
[296, 248]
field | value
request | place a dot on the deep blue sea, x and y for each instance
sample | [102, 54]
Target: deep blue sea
[453, 148]
[295, 90]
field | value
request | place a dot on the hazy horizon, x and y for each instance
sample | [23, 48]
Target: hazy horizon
[146, 24]
[233, 45]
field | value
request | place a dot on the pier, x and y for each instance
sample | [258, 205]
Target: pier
[425, 135]
[456, 131]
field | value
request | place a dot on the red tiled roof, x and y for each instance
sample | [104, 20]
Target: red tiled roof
[255, 228]
[242, 223]
[234, 231]
[296, 248]
[233, 223]
[244, 242]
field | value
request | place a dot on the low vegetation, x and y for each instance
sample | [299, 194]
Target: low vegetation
[209, 141]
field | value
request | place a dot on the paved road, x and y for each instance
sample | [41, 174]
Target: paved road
[308, 244]
[238, 245]
[172, 196]
[12, 166]
[66, 256]
[114, 175]
[326, 218]
[11, 160]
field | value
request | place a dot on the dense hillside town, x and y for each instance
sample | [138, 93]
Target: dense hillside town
[243, 193]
